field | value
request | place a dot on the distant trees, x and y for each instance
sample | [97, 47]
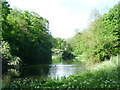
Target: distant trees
[94, 15]
[28, 35]
[101, 40]
[59, 43]
[61, 46]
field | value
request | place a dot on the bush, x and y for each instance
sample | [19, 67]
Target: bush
[7, 58]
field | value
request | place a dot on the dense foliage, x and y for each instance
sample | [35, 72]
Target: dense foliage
[7, 58]
[101, 40]
[28, 35]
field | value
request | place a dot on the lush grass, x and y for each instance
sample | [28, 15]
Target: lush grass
[103, 75]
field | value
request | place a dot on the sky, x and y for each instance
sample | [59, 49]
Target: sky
[65, 17]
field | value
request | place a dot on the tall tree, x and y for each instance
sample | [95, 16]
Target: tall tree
[28, 36]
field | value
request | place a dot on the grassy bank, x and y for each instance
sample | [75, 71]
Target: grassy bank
[102, 75]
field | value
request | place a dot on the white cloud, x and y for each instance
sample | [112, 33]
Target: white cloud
[64, 15]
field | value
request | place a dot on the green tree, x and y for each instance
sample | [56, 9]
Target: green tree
[5, 49]
[28, 36]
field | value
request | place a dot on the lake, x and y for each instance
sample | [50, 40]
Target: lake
[43, 71]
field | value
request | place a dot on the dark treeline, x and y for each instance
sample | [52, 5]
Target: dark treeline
[25, 37]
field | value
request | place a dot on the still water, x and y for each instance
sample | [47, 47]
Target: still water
[44, 71]
[61, 70]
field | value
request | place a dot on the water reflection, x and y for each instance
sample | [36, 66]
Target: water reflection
[42, 71]
[62, 70]
[35, 71]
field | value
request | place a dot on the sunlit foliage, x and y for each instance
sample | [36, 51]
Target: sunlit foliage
[7, 58]
[101, 40]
